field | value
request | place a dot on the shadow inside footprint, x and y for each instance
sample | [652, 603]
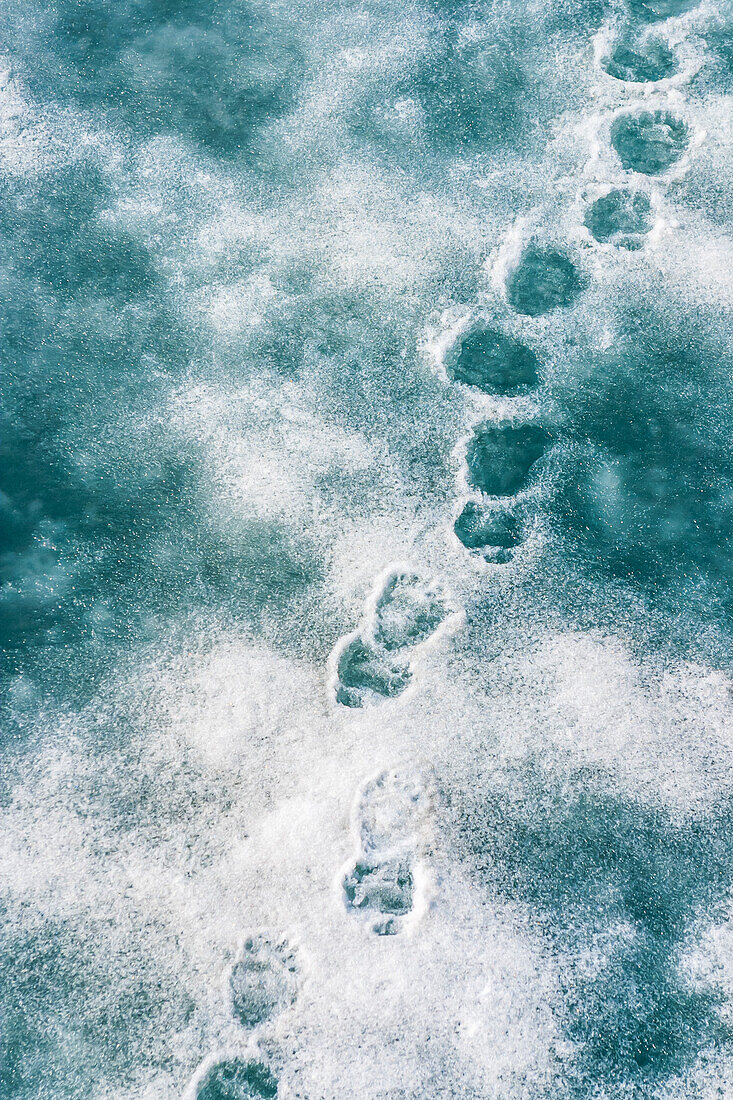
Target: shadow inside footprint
[237, 1080]
[493, 531]
[407, 613]
[384, 889]
[543, 280]
[262, 982]
[494, 362]
[649, 142]
[640, 62]
[501, 456]
[622, 217]
[364, 671]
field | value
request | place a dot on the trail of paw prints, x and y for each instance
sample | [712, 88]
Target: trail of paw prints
[645, 142]
[501, 459]
[385, 884]
[501, 455]
[372, 665]
[262, 983]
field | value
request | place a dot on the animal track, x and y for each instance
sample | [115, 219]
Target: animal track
[234, 1079]
[390, 820]
[262, 982]
[649, 142]
[369, 667]
[500, 456]
[642, 61]
[364, 671]
[382, 889]
[406, 613]
[543, 280]
[391, 811]
[493, 362]
[622, 217]
[492, 530]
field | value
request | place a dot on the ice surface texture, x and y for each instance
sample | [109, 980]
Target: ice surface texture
[289, 292]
